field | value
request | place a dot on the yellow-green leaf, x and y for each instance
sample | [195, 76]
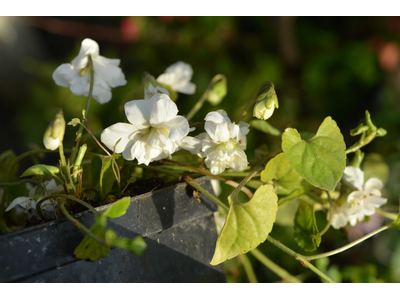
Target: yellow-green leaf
[247, 225]
[41, 170]
[320, 160]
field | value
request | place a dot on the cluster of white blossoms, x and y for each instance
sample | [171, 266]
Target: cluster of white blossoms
[360, 203]
[223, 143]
[29, 203]
[76, 75]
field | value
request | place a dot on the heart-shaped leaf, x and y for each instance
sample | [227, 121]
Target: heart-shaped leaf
[320, 160]
[247, 225]
[90, 249]
[118, 208]
[305, 229]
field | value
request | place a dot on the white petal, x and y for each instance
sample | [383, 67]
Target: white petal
[179, 128]
[112, 134]
[160, 109]
[188, 89]
[64, 74]
[191, 144]
[88, 46]
[373, 183]
[22, 201]
[136, 112]
[353, 177]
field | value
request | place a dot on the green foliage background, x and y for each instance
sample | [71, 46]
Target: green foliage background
[321, 66]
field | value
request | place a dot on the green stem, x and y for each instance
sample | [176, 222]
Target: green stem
[79, 133]
[38, 208]
[330, 216]
[80, 226]
[78, 162]
[282, 273]
[236, 191]
[203, 98]
[248, 268]
[194, 184]
[348, 246]
[195, 169]
[17, 182]
[303, 260]
[65, 170]
[383, 213]
[246, 110]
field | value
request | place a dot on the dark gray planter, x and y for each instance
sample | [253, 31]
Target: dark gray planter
[179, 231]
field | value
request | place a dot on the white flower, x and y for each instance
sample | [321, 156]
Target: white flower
[76, 75]
[151, 90]
[224, 143]
[155, 132]
[178, 77]
[29, 203]
[361, 202]
[51, 144]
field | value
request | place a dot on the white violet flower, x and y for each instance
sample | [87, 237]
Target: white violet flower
[178, 77]
[76, 75]
[155, 130]
[361, 202]
[223, 143]
[29, 203]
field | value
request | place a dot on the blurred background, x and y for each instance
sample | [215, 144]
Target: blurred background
[321, 66]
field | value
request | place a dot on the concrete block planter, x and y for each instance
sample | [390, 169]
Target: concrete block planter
[178, 228]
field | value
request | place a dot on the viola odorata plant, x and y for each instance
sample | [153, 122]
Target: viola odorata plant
[316, 172]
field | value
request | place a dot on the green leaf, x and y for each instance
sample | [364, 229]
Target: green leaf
[320, 160]
[264, 126]
[90, 249]
[280, 170]
[118, 208]
[74, 122]
[247, 225]
[359, 130]
[305, 229]
[107, 174]
[41, 170]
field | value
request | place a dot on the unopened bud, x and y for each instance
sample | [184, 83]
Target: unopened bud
[266, 104]
[54, 133]
[218, 91]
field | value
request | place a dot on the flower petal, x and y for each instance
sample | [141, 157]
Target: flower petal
[162, 109]
[353, 177]
[64, 74]
[373, 183]
[179, 128]
[112, 134]
[136, 113]
[22, 201]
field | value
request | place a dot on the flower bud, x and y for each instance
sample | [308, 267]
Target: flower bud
[151, 87]
[266, 104]
[54, 133]
[218, 91]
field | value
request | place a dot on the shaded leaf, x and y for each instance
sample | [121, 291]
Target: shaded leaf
[320, 160]
[41, 170]
[247, 225]
[90, 249]
[305, 229]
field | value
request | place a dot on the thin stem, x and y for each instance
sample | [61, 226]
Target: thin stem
[67, 197]
[248, 107]
[79, 133]
[244, 189]
[17, 182]
[348, 246]
[236, 191]
[203, 98]
[78, 161]
[194, 184]
[248, 268]
[303, 260]
[282, 273]
[383, 213]
[162, 170]
[65, 169]
[80, 226]
[330, 216]
[195, 169]
[316, 271]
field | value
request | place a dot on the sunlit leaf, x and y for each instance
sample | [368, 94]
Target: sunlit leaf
[305, 229]
[247, 225]
[118, 208]
[41, 170]
[320, 160]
